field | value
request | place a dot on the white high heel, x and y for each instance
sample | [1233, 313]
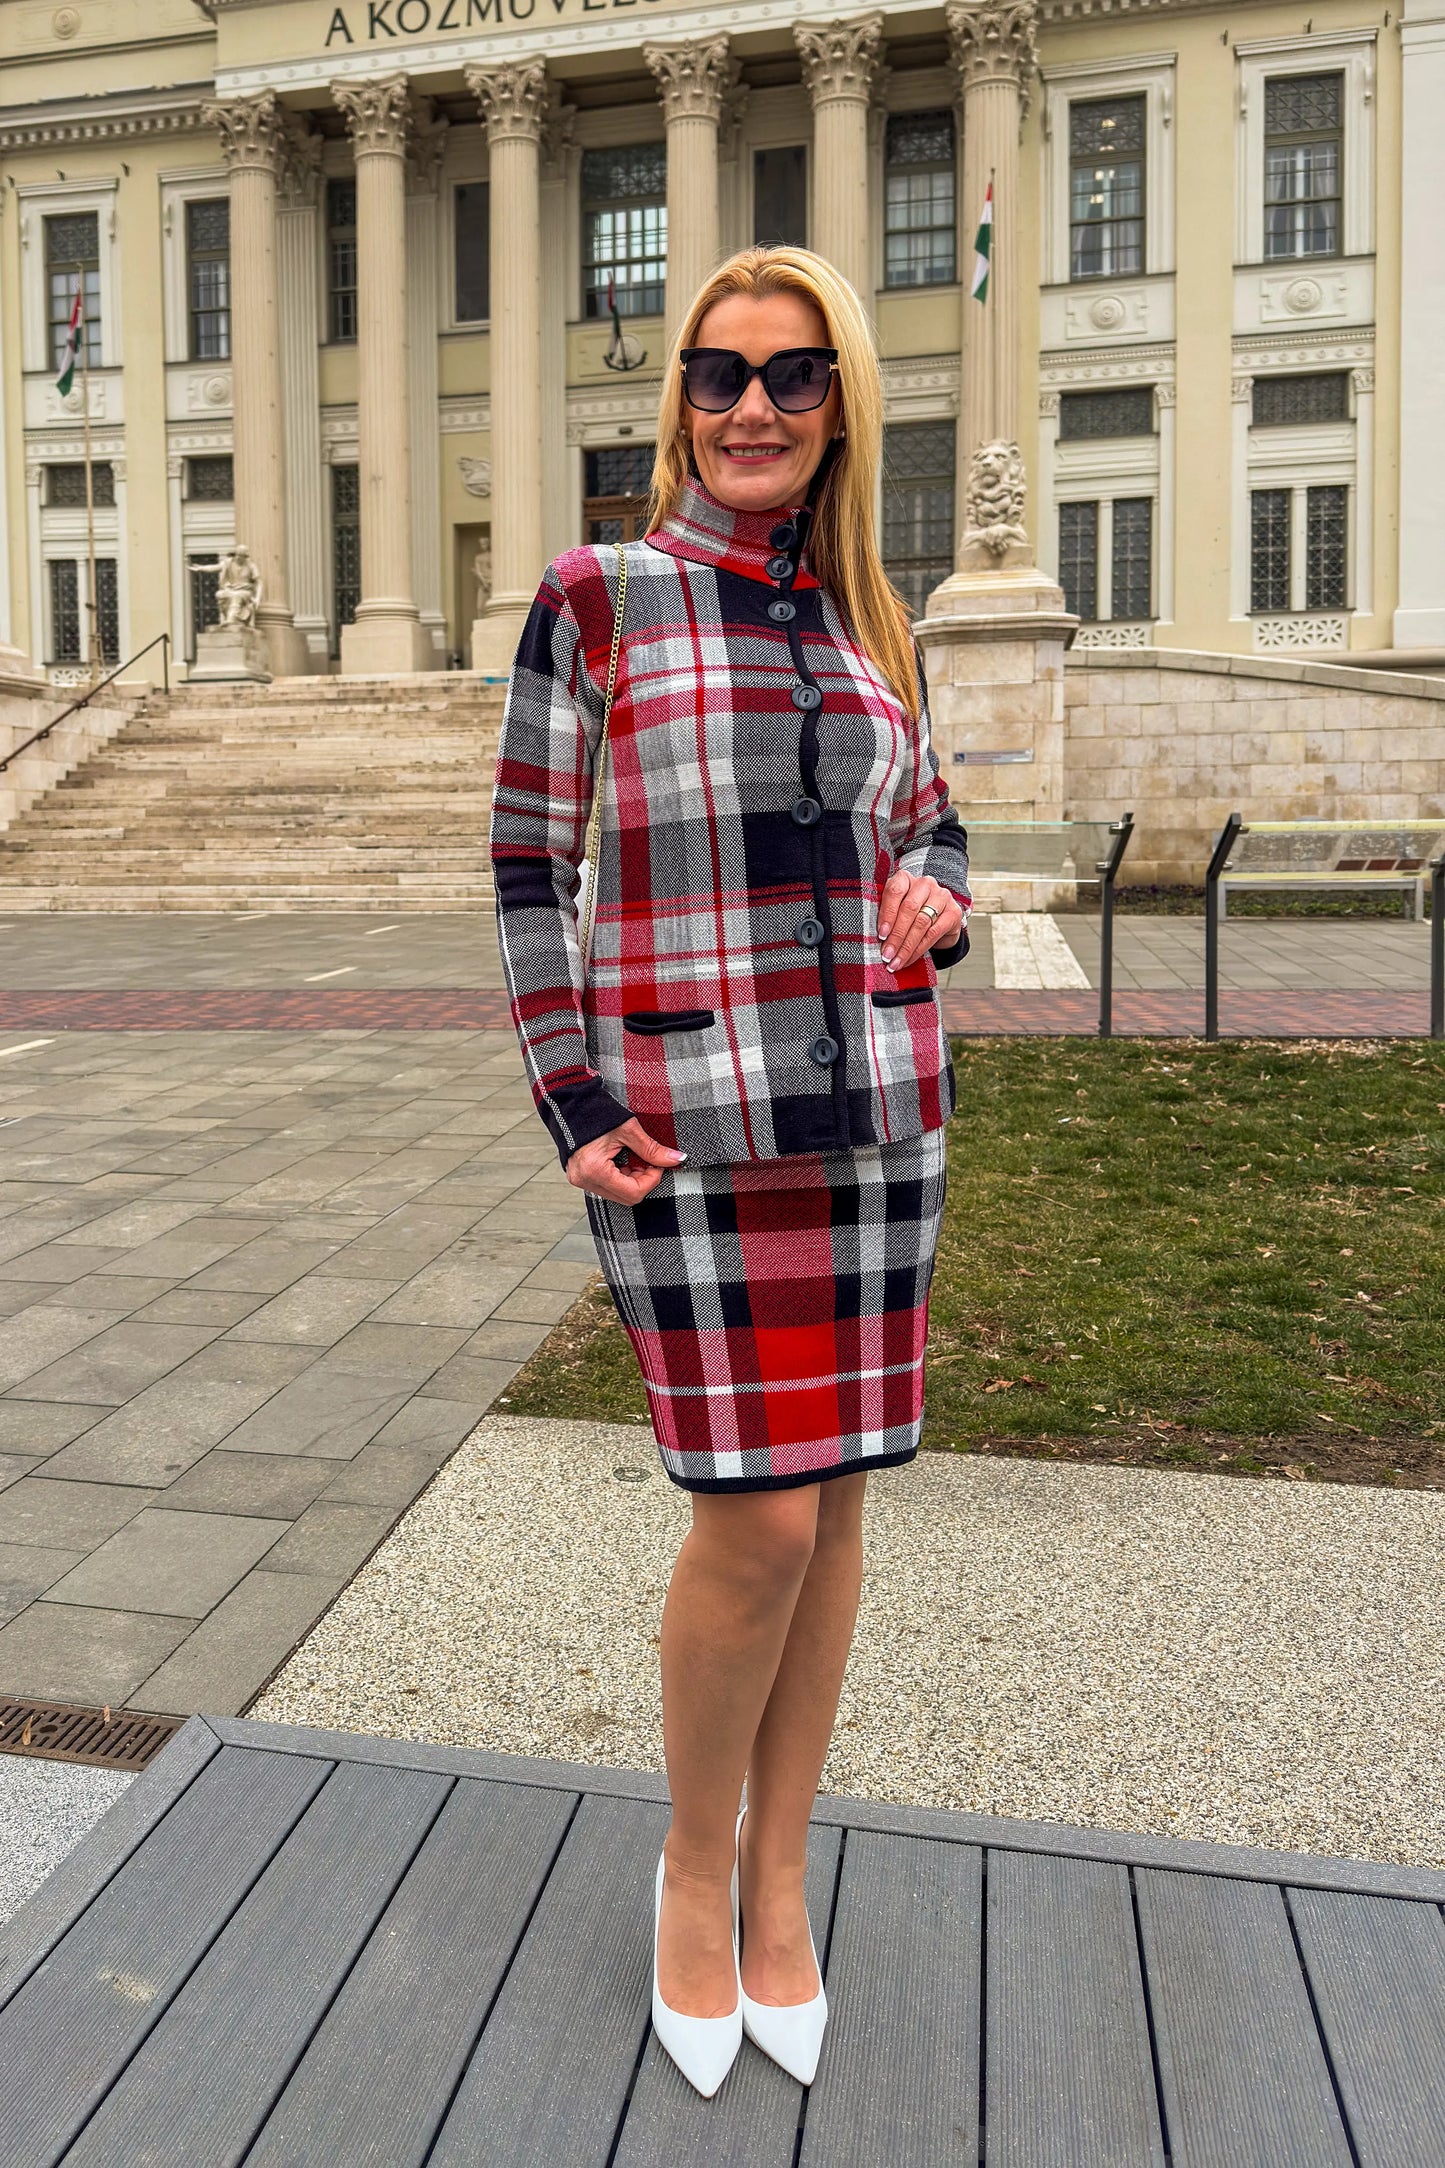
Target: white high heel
[790, 2032]
[702, 2047]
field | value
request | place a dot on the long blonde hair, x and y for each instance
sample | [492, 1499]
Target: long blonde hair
[842, 542]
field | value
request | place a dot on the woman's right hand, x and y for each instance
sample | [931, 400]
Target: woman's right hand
[594, 1166]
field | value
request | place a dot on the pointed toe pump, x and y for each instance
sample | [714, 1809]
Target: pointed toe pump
[702, 2047]
[790, 2032]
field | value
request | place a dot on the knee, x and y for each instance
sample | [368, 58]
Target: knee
[766, 1542]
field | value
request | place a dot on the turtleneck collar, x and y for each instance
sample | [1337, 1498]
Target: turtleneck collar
[711, 533]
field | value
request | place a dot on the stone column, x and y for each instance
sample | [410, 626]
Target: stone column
[839, 62]
[423, 227]
[387, 636]
[1362, 382]
[254, 143]
[693, 80]
[1420, 611]
[1164, 418]
[297, 255]
[513, 101]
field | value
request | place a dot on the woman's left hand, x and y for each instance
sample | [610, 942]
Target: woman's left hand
[905, 928]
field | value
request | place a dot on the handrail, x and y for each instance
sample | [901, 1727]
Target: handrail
[161, 640]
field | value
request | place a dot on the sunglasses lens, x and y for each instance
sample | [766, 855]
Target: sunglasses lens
[715, 380]
[798, 382]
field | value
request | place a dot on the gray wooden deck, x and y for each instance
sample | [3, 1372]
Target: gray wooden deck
[286, 1946]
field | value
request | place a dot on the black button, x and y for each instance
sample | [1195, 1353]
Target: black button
[779, 568]
[809, 931]
[807, 812]
[807, 697]
[781, 612]
[783, 538]
[824, 1051]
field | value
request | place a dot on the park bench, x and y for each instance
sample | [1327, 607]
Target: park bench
[1053, 855]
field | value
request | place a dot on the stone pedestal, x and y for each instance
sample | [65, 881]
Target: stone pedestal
[19, 678]
[229, 652]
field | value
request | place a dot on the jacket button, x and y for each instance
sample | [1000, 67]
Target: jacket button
[824, 1051]
[807, 812]
[806, 697]
[779, 568]
[809, 931]
[781, 612]
[783, 538]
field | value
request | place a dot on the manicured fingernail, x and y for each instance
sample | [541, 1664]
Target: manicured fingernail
[890, 963]
[679, 1155]
[888, 957]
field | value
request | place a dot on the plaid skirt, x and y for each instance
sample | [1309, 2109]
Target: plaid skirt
[779, 1309]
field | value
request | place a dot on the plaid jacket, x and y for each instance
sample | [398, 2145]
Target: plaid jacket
[762, 784]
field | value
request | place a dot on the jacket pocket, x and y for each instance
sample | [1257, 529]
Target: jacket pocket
[651, 1023]
[901, 997]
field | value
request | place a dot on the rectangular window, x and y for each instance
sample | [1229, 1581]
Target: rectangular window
[624, 230]
[107, 611]
[918, 469]
[1079, 559]
[1326, 547]
[341, 261]
[920, 232]
[64, 610]
[211, 479]
[205, 610]
[1132, 558]
[1128, 413]
[616, 481]
[65, 485]
[345, 546]
[1303, 156]
[780, 197]
[1279, 400]
[471, 203]
[208, 278]
[1106, 188]
[72, 258]
[1269, 514]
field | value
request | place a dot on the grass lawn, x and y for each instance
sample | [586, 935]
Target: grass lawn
[1231, 1255]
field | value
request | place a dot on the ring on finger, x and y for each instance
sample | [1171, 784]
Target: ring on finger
[930, 912]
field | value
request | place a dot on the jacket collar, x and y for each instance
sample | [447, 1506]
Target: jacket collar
[710, 533]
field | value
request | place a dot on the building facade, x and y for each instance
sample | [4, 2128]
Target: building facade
[381, 289]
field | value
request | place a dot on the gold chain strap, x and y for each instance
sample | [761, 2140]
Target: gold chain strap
[594, 818]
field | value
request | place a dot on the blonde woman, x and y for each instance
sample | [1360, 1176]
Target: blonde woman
[750, 1079]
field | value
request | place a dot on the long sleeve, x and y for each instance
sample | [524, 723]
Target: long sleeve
[927, 836]
[551, 730]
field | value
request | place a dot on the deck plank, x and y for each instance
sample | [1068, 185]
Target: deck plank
[375, 2082]
[1068, 2069]
[898, 2075]
[752, 2119]
[1377, 1967]
[1244, 2075]
[81, 2015]
[550, 2076]
[205, 2079]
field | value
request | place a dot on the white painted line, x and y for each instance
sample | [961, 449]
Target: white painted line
[241, 917]
[24, 1047]
[1030, 954]
[317, 976]
[382, 929]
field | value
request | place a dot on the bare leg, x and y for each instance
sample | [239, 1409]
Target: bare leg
[790, 1749]
[724, 1624]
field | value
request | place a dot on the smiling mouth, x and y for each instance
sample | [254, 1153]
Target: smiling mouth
[754, 451]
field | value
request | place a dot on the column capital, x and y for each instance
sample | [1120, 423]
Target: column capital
[994, 41]
[693, 78]
[839, 58]
[513, 99]
[1163, 396]
[299, 171]
[1362, 380]
[252, 132]
[426, 142]
[377, 115]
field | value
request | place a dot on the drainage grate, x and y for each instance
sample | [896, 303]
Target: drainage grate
[55, 1732]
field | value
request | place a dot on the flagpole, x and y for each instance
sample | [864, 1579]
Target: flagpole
[93, 638]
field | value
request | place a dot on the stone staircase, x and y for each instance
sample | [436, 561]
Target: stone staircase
[307, 794]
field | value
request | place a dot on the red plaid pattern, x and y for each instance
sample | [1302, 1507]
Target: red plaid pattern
[763, 783]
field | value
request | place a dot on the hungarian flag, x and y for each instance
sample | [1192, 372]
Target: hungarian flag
[982, 248]
[616, 316]
[66, 375]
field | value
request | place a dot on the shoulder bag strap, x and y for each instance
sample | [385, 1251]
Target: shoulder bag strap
[594, 818]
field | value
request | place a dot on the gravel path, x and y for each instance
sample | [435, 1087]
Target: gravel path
[1253, 1662]
[46, 1808]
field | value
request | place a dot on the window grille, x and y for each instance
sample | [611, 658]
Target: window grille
[471, 203]
[1132, 556]
[780, 196]
[1269, 517]
[1326, 547]
[1079, 559]
[72, 255]
[1106, 187]
[64, 610]
[211, 480]
[208, 257]
[345, 546]
[1126, 413]
[920, 218]
[205, 609]
[1281, 399]
[1303, 128]
[107, 611]
[918, 507]
[341, 261]
[65, 485]
[624, 229]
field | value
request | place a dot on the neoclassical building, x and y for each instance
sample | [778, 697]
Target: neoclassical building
[380, 289]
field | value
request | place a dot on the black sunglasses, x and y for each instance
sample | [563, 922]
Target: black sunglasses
[796, 379]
